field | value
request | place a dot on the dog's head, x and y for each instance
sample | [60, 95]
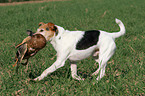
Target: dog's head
[48, 30]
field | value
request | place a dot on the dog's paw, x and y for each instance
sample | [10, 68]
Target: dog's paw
[77, 78]
[38, 78]
[96, 72]
[98, 78]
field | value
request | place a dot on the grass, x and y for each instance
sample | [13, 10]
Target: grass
[124, 73]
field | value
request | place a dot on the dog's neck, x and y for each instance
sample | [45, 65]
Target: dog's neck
[57, 36]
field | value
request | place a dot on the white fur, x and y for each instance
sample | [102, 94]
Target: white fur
[65, 46]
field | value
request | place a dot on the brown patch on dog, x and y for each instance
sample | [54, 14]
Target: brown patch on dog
[52, 27]
[49, 25]
[48, 30]
[41, 23]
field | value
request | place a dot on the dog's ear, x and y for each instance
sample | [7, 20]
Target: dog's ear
[52, 26]
[29, 32]
[41, 23]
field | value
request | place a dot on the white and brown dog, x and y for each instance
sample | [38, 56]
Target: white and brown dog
[78, 45]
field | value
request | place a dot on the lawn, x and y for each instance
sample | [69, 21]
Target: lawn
[125, 73]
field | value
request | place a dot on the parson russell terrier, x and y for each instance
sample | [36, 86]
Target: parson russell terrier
[78, 45]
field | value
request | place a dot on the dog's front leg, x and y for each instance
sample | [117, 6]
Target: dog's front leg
[74, 72]
[57, 64]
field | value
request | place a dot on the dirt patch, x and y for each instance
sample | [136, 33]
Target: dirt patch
[26, 2]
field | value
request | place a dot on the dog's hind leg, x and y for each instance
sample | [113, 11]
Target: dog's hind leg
[74, 72]
[106, 50]
[105, 54]
[96, 57]
[97, 71]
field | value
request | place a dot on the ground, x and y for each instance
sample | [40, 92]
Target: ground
[25, 2]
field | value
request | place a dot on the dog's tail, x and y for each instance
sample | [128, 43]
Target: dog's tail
[122, 29]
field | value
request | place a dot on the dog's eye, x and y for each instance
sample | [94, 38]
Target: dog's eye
[47, 29]
[41, 30]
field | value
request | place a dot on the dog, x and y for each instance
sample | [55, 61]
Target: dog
[78, 45]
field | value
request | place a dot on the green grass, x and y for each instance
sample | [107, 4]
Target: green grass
[125, 71]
